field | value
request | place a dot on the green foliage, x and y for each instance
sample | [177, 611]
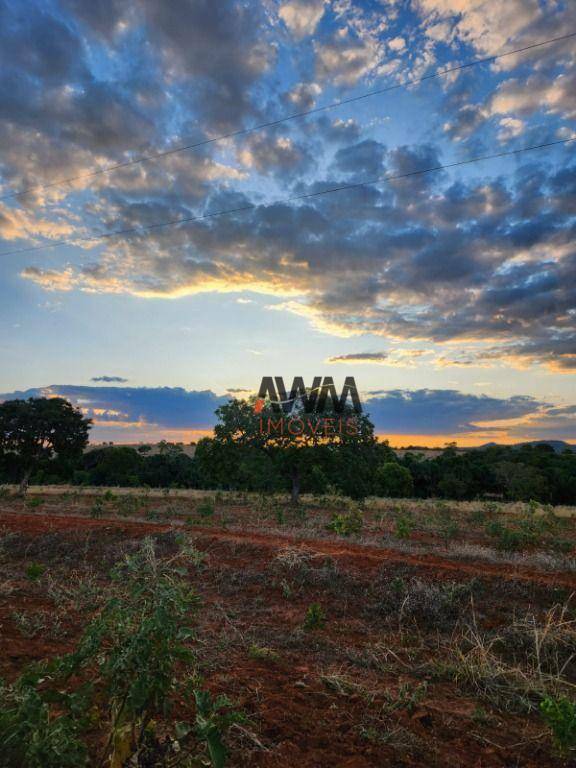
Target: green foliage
[560, 716]
[129, 654]
[404, 527]
[34, 571]
[97, 508]
[393, 480]
[32, 734]
[315, 617]
[213, 717]
[205, 509]
[37, 428]
[347, 523]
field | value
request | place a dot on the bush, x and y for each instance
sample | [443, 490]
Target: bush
[32, 736]
[393, 480]
[347, 523]
[560, 716]
[315, 617]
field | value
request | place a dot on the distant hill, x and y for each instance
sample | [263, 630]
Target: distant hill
[557, 445]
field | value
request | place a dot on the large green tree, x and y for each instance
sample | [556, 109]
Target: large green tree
[303, 441]
[36, 429]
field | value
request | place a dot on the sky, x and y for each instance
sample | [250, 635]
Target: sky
[449, 295]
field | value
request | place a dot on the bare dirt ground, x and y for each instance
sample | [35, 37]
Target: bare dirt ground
[400, 634]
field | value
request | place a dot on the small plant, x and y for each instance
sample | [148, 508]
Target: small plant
[32, 624]
[206, 509]
[315, 617]
[448, 531]
[34, 503]
[404, 527]
[262, 653]
[97, 509]
[108, 496]
[560, 716]
[34, 571]
[407, 697]
[212, 721]
[32, 735]
[346, 523]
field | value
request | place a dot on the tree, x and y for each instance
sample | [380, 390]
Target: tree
[394, 480]
[38, 428]
[303, 439]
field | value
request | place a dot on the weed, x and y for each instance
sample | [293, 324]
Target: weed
[404, 527]
[213, 717]
[206, 509]
[128, 653]
[406, 697]
[346, 523]
[83, 593]
[42, 622]
[560, 716]
[480, 715]
[34, 503]
[262, 653]
[33, 735]
[97, 508]
[315, 617]
[436, 606]
[34, 571]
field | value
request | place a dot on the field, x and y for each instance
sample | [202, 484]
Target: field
[397, 633]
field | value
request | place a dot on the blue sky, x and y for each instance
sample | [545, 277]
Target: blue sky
[451, 294]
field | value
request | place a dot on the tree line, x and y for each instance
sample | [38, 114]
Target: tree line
[44, 441]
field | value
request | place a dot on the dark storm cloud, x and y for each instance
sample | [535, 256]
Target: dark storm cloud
[168, 407]
[439, 411]
[362, 160]
[109, 379]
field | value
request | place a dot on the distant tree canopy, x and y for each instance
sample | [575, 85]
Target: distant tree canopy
[44, 439]
[36, 429]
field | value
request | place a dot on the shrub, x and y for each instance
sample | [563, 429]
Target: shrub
[34, 571]
[346, 523]
[32, 735]
[315, 617]
[404, 527]
[560, 716]
[206, 509]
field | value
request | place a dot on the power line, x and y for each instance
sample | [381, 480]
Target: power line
[286, 118]
[293, 198]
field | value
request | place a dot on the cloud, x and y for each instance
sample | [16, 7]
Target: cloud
[126, 413]
[303, 95]
[359, 357]
[345, 59]
[302, 16]
[271, 154]
[399, 358]
[130, 414]
[387, 260]
[524, 97]
[109, 379]
[443, 412]
[362, 160]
